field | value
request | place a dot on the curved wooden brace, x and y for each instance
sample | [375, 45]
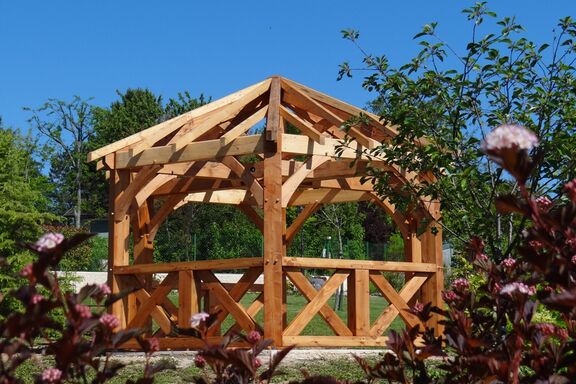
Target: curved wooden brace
[290, 185]
[238, 168]
[142, 178]
[162, 214]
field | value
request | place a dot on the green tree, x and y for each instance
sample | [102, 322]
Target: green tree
[68, 127]
[454, 98]
[22, 206]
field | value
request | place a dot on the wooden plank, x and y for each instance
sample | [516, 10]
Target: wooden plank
[243, 126]
[204, 150]
[303, 318]
[239, 263]
[289, 186]
[188, 298]
[390, 266]
[393, 298]
[389, 314]
[155, 133]
[335, 341]
[273, 117]
[223, 296]
[327, 313]
[251, 183]
[182, 343]
[304, 126]
[360, 302]
[254, 216]
[300, 221]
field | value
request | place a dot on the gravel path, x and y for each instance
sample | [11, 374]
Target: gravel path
[297, 356]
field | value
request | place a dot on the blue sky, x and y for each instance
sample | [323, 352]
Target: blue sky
[58, 49]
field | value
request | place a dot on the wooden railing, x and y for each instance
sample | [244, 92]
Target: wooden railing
[150, 306]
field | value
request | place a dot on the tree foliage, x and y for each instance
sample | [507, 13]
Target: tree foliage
[452, 97]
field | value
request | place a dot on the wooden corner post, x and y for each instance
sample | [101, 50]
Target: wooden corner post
[118, 242]
[432, 253]
[274, 223]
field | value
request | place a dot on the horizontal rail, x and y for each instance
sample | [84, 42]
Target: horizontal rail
[389, 266]
[202, 265]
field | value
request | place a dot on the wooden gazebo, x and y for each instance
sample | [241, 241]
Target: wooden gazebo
[196, 157]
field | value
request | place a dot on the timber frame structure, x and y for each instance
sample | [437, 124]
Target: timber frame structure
[195, 157]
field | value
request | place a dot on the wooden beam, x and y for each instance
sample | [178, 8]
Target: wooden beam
[274, 221]
[326, 196]
[230, 196]
[335, 341]
[359, 301]
[304, 126]
[157, 132]
[204, 150]
[303, 145]
[273, 117]
[243, 126]
[390, 266]
[239, 263]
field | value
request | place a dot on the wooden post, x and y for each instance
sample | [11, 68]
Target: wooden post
[432, 253]
[359, 302]
[118, 243]
[274, 226]
[188, 298]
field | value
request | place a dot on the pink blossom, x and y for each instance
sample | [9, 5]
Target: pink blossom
[418, 307]
[544, 203]
[508, 136]
[199, 361]
[460, 284]
[571, 241]
[253, 337]
[448, 296]
[35, 299]
[570, 189]
[510, 289]
[109, 320]
[574, 259]
[154, 344]
[83, 311]
[508, 263]
[104, 289]
[51, 375]
[48, 242]
[257, 362]
[27, 270]
[197, 318]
